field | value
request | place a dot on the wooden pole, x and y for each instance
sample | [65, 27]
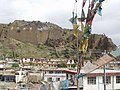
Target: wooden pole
[104, 77]
[79, 59]
[79, 68]
[104, 72]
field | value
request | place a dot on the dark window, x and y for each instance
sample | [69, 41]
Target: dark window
[117, 79]
[91, 80]
[108, 79]
[1, 77]
[50, 72]
[58, 72]
[16, 73]
[57, 79]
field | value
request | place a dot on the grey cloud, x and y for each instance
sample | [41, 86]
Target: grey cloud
[7, 12]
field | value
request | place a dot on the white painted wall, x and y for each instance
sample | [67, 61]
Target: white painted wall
[99, 84]
[20, 76]
[26, 60]
[70, 62]
[2, 65]
[116, 85]
[55, 76]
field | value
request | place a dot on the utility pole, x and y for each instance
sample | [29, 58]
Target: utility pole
[104, 77]
[79, 68]
[78, 65]
[104, 73]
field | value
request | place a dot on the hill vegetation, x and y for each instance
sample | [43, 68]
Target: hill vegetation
[44, 39]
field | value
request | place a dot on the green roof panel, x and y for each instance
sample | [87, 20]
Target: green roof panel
[116, 53]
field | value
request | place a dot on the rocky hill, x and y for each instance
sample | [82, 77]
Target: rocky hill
[44, 39]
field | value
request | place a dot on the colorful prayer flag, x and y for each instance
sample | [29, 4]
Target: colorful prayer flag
[99, 11]
[81, 75]
[84, 45]
[82, 15]
[82, 19]
[87, 31]
[101, 1]
[64, 84]
[82, 27]
[92, 4]
[95, 1]
[75, 29]
[89, 16]
[73, 20]
[83, 4]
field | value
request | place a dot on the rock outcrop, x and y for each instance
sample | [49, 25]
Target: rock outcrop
[51, 35]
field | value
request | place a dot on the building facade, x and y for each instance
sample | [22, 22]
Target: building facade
[95, 80]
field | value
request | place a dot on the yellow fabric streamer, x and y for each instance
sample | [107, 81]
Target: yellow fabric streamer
[75, 29]
[84, 45]
[82, 28]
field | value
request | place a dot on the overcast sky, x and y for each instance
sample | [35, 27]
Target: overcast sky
[59, 12]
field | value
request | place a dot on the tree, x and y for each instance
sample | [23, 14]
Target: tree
[62, 65]
[15, 65]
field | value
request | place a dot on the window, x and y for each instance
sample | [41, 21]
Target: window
[57, 79]
[24, 85]
[6, 78]
[12, 79]
[117, 79]
[50, 72]
[108, 79]
[17, 73]
[49, 79]
[1, 77]
[91, 80]
[58, 72]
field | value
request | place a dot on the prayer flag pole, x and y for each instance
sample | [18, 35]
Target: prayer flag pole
[86, 27]
[78, 65]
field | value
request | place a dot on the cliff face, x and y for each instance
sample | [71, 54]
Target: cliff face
[101, 42]
[51, 35]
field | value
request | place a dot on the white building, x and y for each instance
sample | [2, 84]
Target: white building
[95, 80]
[70, 63]
[19, 75]
[2, 65]
[52, 75]
[91, 81]
[27, 60]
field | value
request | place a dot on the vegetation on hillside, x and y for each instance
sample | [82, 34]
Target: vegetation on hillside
[45, 40]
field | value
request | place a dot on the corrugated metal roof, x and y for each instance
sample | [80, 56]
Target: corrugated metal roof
[89, 67]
